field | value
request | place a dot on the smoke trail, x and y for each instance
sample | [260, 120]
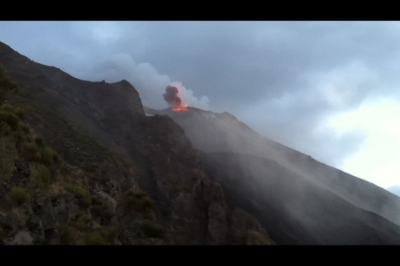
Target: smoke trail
[145, 78]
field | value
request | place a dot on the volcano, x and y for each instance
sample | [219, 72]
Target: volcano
[296, 198]
[133, 175]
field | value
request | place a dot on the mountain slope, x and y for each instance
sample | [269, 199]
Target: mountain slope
[229, 190]
[101, 129]
[223, 136]
[295, 210]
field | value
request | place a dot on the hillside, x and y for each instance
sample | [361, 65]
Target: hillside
[138, 174]
[308, 200]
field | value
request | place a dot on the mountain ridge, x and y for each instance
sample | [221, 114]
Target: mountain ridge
[194, 166]
[236, 138]
[101, 130]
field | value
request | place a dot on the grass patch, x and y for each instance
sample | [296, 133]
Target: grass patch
[46, 155]
[153, 230]
[20, 112]
[137, 201]
[85, 199]
[7, 83]
[5, 129]
[20, 195]
[7, 166]
[10, 118]
[39, 141]
[30, 151]
[19, 136]
[42, 176]
[24, 128]
[109, 233]
[68, 235]
[95, 238]
[100, 211]
[83, 222]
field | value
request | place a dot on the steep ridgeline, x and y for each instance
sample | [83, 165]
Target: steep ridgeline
[298, 199]
[101, 130]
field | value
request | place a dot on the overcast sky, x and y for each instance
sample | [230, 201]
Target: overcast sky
[328, 89]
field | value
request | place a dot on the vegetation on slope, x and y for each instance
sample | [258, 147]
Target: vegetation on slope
[61, 185]
[34, 175]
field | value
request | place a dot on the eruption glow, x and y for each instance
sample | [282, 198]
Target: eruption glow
[172, 98]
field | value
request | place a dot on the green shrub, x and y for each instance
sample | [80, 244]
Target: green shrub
[56, 157]
[6, 83]
[5, 129]
[20, 112]
[85, 200]
[24, 128]
[46, 155]
[39, 141]
[10, 118]
[82, 222]
[30, 151]
[100, 211]
[109, 233]
[151, 229]
[7, 165]
[137, 201]
[42, 176]
[7, 107]
[95, 238]
[97, 201]
[19, 136]
[67, 234]
[20, 195]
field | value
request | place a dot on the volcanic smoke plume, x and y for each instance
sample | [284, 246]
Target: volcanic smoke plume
[172, 98]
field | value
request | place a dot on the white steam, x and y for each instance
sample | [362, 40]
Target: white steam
[145, 78]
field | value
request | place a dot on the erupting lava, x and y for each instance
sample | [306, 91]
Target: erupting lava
[180, 108]
[171, 96]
